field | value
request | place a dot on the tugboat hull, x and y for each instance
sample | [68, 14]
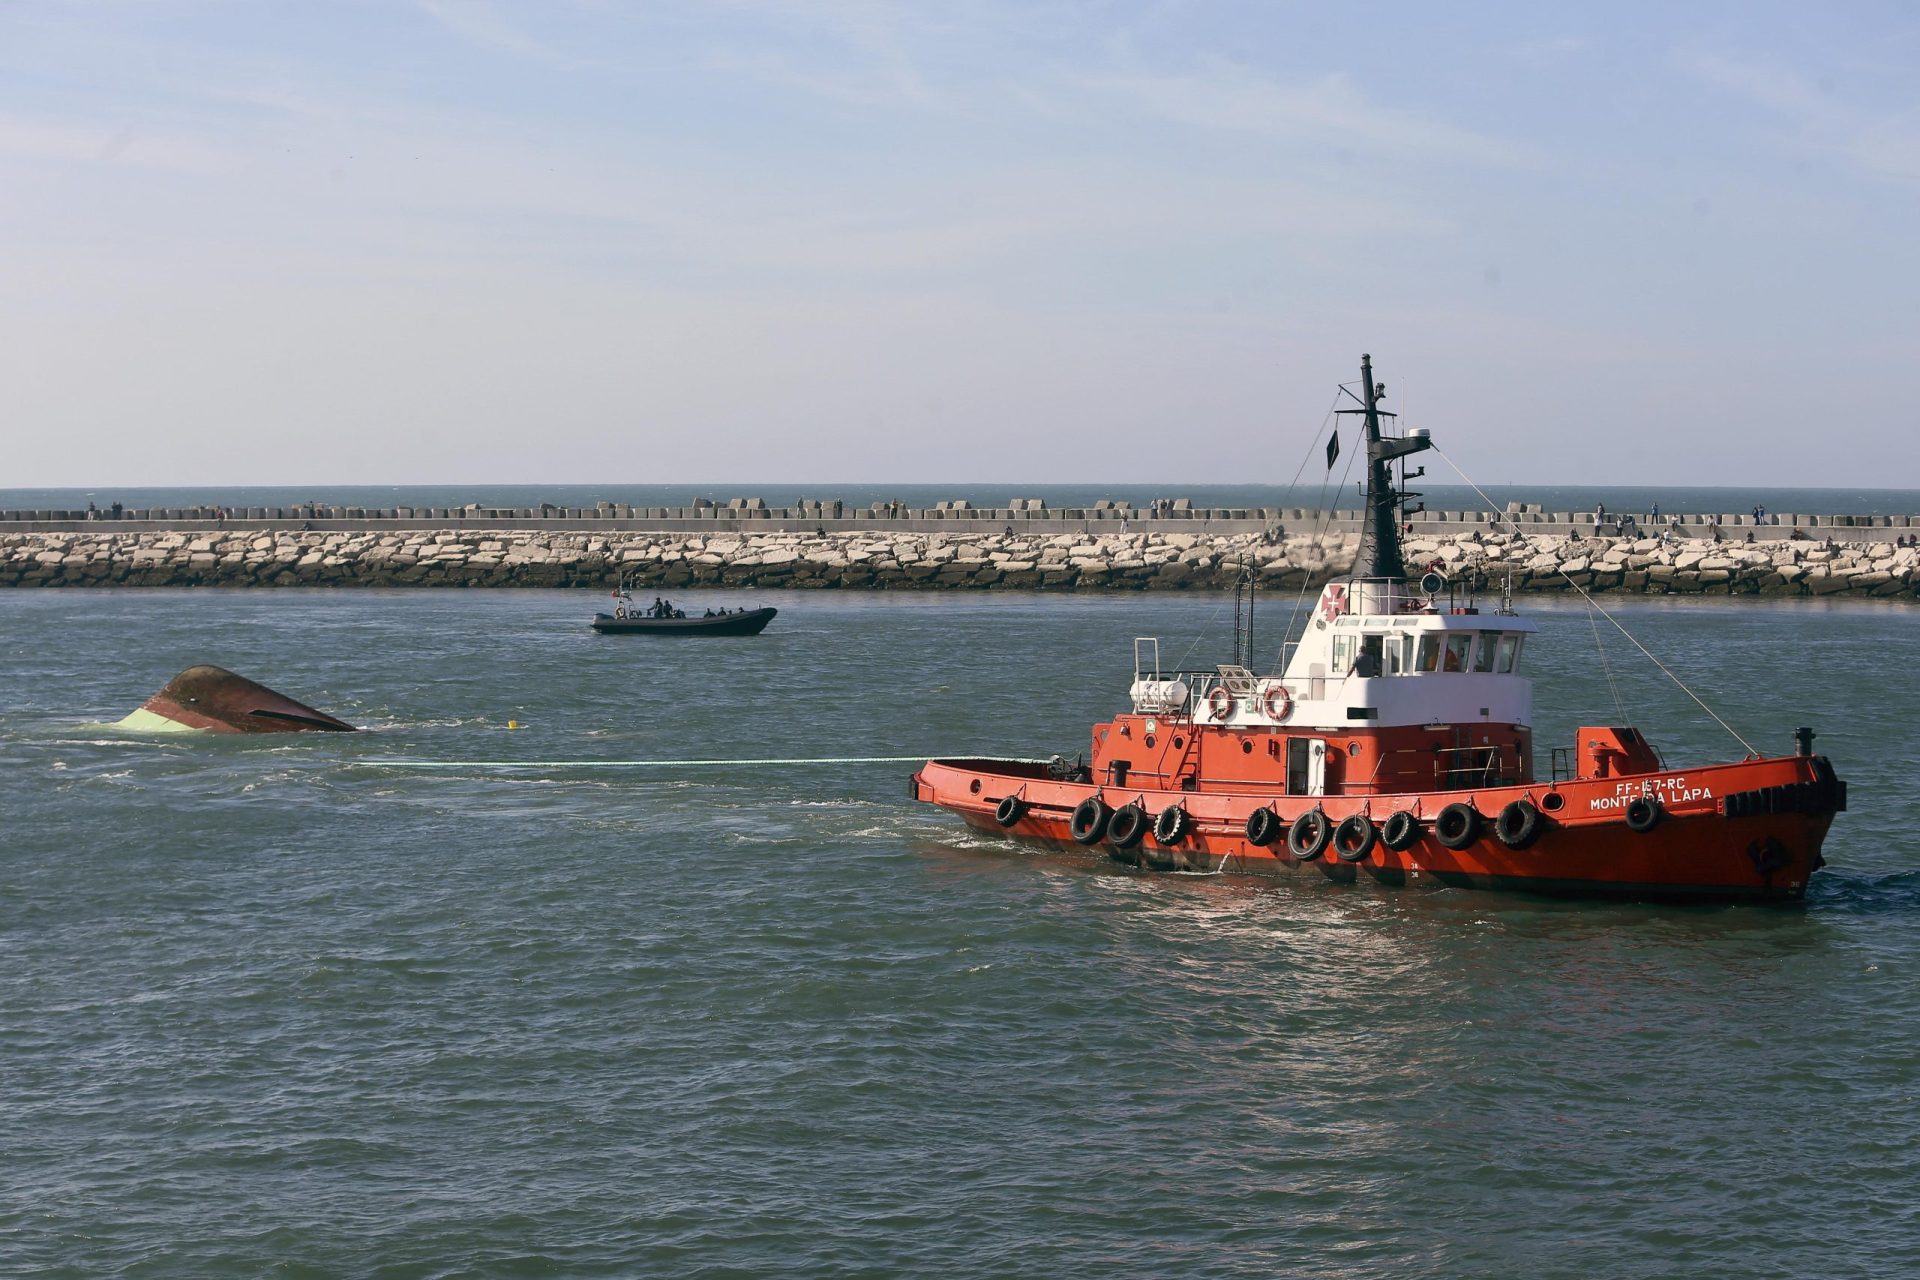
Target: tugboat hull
[1750, 831]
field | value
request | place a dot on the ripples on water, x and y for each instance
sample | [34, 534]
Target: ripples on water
[272, 1007]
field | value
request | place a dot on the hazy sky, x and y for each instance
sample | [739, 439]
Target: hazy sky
[813, 240]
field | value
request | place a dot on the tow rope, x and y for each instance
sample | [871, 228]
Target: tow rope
[675, 764]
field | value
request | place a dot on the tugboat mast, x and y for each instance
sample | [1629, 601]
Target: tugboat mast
[1380, 555]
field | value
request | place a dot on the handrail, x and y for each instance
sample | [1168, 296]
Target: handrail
[1445, 776]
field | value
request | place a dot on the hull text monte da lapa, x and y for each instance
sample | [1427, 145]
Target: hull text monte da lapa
[1396, 744]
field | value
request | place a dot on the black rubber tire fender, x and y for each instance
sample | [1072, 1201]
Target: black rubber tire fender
[1088, 825]
[1264, 826]
[1128, 826]
[1355, 837]
[1401, 831]
[1308, 836]
[1457, 825]
[1644, 814]
[1009, 811]
[1519, 824]
[1171, 824]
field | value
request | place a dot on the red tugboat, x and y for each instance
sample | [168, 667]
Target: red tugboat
[1396, 745]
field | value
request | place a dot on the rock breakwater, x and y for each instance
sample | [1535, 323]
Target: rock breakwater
[1042, 561]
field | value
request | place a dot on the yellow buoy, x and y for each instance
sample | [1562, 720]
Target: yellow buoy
[513, 724]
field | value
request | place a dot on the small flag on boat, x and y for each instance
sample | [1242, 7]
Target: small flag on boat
[1333, 449]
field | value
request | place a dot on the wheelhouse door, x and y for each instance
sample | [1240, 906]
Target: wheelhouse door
[1306, 766]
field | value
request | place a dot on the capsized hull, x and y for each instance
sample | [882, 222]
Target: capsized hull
[1750, 831]
[209, 699]
[751, 622]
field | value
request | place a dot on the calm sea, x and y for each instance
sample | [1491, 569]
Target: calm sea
[280, 1007]
[1439, 497]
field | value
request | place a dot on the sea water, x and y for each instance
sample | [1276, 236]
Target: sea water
[284, 1006]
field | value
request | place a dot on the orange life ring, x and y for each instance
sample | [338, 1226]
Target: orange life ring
[1219, 703]
[1278, 703]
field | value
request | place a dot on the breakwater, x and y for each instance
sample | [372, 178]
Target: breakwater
[1108, 557]
[752, 515]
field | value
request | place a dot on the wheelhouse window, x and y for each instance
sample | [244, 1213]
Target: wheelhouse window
[1459, 645]
[1399, 655]
[1429, 652]
[1369, 662]
[1483, 650]
[1509, 653]
[1342, 654]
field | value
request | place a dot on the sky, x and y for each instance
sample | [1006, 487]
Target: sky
[478, 241]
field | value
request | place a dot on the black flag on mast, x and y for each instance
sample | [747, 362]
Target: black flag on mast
[1333, 449]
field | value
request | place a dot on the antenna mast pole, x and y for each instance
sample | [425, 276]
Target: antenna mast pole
[1380, 555]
